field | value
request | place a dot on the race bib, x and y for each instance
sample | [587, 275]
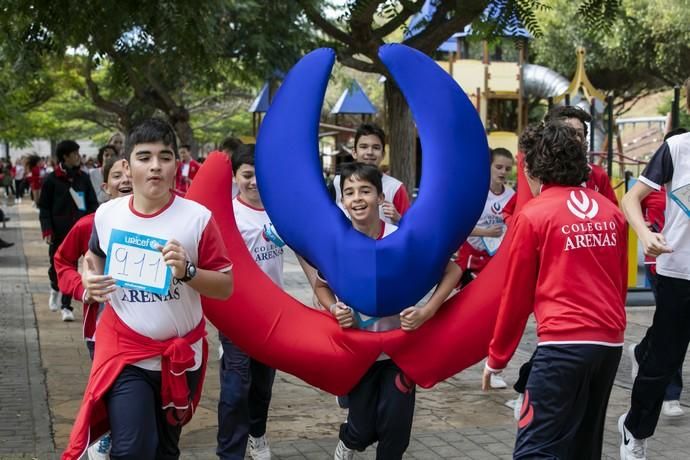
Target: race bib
[79, 199]
[681, 196]
[491, 244]
[135, 261]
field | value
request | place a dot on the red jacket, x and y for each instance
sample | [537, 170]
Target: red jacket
[118, 346]
[567, 264]
[66, 262]
[599, 181]
[653, 207]
[182, 183]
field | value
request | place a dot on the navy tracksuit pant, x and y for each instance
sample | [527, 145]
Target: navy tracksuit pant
[246, 387]
[139, 426]
[381, 408]
[565, 402]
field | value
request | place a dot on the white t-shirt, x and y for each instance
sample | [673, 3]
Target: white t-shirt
[185, 169]
[391, 186]
[261, 239]
[177, 313]
[491, 215]
[96, 176]
[670, 166]
[19, 172]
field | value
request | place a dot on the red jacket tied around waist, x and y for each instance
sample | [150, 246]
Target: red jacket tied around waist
[118, 346]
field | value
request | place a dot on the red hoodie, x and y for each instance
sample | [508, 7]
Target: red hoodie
[66, 262]
[182, 183]
[567, 264]
[118, 346]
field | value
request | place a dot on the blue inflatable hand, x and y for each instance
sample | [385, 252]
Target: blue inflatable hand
[377, 278]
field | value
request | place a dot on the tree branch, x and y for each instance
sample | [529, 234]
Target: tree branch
[347, 59]
[325, 25]
[95, 94]
[408, 9]
[440, 27]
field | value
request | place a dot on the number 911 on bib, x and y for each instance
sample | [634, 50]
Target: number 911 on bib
[135, 262]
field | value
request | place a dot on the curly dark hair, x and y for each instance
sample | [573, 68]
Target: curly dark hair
[564, 112]
[554, 154]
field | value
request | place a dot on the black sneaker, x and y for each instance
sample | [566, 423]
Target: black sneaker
[4, 244]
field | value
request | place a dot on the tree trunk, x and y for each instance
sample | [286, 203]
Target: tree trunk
[180, 121]
[402, 137]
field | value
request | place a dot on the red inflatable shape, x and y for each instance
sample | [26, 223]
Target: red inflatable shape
[281, 332]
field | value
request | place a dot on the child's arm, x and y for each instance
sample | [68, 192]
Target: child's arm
[209, 283]
[97, 286]
[494, 231]
[341, 312]
[411, 318]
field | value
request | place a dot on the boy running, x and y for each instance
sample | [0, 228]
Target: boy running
[569, 243]
[149, 364]
[245, 383]
[381, 406]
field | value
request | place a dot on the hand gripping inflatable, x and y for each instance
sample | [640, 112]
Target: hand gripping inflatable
[378, 278]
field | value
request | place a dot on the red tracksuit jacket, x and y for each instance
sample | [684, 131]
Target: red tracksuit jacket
[66, 261]
[568, 265]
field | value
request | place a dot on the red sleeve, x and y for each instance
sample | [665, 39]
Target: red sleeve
[401, 201]
[603, 184]
[66, 259]
[517, 301]
[193, 168]
[509, 209]
[213, 255]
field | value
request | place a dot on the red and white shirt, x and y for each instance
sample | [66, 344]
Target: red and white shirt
[178, 312]
[491, 215]
[567, 264]
[260, 236]
[393, 191]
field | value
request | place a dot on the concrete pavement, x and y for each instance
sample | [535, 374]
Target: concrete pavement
[45, 364]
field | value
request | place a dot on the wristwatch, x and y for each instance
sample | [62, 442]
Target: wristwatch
[189, 272]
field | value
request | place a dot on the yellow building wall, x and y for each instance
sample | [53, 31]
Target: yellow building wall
[505, 139]
[504, 76]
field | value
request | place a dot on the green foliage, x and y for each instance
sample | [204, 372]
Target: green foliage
[188, 61]
[647, 46]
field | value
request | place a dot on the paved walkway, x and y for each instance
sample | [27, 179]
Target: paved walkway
[41, 386]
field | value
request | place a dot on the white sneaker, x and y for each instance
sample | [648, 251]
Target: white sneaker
[259, 448]
[342, 452]
[497, 382]
[100, 450]
[67, 315]
[517, 408]
[631, 448]
[54, 301]
[634, 366]
[671, 409]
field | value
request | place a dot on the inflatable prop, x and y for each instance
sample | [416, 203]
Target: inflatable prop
[366, 274]
[278, 330]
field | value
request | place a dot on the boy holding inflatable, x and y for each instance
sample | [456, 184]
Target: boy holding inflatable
[381, 405]
[246, 385]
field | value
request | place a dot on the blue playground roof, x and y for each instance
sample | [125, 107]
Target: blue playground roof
[353, 100]
[260, 104]
[513, 29]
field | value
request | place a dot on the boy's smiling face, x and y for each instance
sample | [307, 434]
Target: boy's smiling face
[369, 150]
[119, 182]
[361, 200]
[153, 167]
[245, 177]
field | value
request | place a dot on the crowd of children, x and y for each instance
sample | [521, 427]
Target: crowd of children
[570, 241]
